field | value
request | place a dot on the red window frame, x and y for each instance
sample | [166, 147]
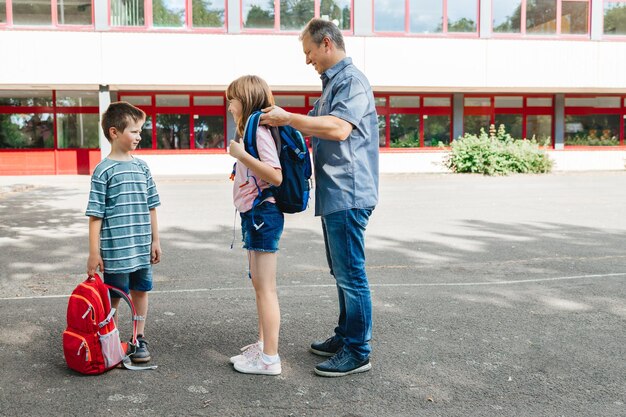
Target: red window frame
[444, 31]
[54, 24]
[152, 110]
[420, 111]
[149, 21]
[586, 111]
[525, 110]
[277, 29]
[557, 34]
[55, 110]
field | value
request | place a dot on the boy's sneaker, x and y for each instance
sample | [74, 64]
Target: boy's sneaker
[329, 347]
[247, 352]
[342, 364]
[255, 365]
[141, 354]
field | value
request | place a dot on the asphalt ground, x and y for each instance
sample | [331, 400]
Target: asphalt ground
[491, 297]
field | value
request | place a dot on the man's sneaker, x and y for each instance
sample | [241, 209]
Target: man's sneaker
[247, 352]
[329, 347]
[255, 365]
[343, 363]
[141, 354]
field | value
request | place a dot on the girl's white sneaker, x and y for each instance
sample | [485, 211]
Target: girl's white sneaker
[248, 351]
[255, 365]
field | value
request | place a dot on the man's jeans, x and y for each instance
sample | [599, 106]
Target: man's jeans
[344, 237]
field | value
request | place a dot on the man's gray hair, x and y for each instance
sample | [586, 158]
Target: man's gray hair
[318, 29]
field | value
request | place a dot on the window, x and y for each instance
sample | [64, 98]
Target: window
[338, 11]
[289, 100]
[293, 15]
[127, 13]
[169, 14]
[76, 98]
[541, 17]
[615, 17]
[26, 120]
[538, 115]
[209, 132]
[181, 121]
[426, 17]
[40, 13]
[26, 130]
[594, 120]
[413, 121]
[528, 117]
[208, 14]
[31, 13]
[404, 130]
[508, 112]
[172, 131]
[258, 14]
[74, 12]
[29, 119]
[26, 98]
[78, 130]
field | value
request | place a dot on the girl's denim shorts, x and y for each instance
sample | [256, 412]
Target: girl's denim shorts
[262, 227]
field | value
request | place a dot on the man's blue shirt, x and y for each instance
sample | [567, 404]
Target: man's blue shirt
[346, 172]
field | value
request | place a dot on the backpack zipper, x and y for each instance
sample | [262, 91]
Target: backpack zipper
[89, 307]
[83, 343]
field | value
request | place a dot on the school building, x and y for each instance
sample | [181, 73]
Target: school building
[553, 70]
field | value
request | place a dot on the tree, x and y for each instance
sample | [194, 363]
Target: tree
[462, 25]
[615, 20]
[162, 16]
[259, 18]
[294, 14]
[512, 24]
[540, 14]
[336, 13]
[205, 16]
[10, 135]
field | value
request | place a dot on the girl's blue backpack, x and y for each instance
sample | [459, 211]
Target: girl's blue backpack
[292, 196]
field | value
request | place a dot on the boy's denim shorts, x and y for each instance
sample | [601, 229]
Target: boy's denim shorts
[139, 280]
[269, 221]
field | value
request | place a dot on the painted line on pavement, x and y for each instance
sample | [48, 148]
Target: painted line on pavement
[432, 284]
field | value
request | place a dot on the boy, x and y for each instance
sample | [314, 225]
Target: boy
[123, 232]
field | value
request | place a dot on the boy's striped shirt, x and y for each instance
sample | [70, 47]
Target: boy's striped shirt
[122, 194]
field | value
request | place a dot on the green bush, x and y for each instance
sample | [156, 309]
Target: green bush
[496, 153]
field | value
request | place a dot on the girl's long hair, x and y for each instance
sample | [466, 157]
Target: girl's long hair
[253, 93]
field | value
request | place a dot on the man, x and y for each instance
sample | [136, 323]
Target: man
[344, 130]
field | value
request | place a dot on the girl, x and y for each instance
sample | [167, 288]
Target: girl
[261, 227]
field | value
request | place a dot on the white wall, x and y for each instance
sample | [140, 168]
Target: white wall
[390, 162]
[161, 61]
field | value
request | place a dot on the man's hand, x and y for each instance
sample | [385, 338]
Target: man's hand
[275, 116]
[236, 149]
[94, 261]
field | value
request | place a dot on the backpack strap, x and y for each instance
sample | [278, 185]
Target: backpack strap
[249, 141]
[127, 363]
[249, 134]
[285, 135]
[133, 342]
[126, 298]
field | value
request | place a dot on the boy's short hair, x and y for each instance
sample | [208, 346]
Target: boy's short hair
[318, 29]
[118, 115]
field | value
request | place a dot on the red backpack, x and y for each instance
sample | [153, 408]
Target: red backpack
[91, 341]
